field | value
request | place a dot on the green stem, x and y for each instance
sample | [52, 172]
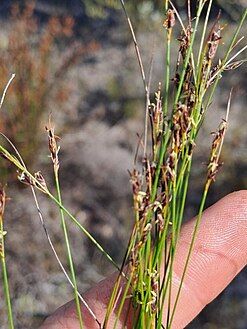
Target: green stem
[5, 277]
[198, 221]
[45, 190]
[188, 54]
[83, 230]
[69, 254]
[122, 302]
[167, 76]
[201, 53]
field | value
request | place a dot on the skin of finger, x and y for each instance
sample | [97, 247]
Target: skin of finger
[220, 252]
[97, 298]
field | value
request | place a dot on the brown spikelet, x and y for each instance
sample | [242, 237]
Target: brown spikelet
[26, 179]
[214, 164]
[213, 43]
[37, 181]
[52, 143]
[170, 19]
[40, 179]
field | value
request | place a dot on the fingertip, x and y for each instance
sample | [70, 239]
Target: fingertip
[237, 198]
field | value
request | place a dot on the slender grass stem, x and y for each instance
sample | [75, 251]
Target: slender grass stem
[2, 234]
[54, 151]
[3, 262]
[84, 231]
[213, 165]
[189, 51]
[45, 190]
[6, 89]
[137, 49]
[205, 25]
[68, 248]
[122, 301]
[190, 251]
[6, 284]
[167, 63]
[42, 221]
[167, 77]
[184, 30]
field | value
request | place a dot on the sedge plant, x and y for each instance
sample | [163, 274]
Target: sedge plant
[160, 188]
[160, 184]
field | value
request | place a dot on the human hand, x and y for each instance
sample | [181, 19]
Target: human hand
[219, 254]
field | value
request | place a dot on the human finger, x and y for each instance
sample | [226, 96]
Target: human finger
[220, 252]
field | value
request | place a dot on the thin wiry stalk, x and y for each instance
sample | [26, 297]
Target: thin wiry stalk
[236, 55]
[188, 55]
[184, 29]
[190, 251]
[141, 66]
[3, 233]
[69, 254]
[147, 107]
[137, 49]
[169, 23]
[3, 261]
[40, 186]
[54, 150]
[59, 261]
[205, 25]
[117, 286]
[213, 168]
[42, 221]
[122, 301]
[85, 231]
[6, 89]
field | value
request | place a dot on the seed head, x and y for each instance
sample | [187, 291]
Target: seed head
[53, 147]
[170, 19]
[26, 179]
[214, 164]
[40, 178]
[37, 181]
[213, 41]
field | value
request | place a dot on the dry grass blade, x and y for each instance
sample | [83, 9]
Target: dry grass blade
[138, 53]
[6, 89]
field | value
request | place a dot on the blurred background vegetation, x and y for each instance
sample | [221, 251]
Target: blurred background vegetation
[75, 59]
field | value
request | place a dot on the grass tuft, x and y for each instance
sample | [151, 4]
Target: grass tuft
[161, 179]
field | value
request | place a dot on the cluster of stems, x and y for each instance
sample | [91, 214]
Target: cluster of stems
[159, 184]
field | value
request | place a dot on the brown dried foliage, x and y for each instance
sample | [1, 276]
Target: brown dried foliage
[28, 50]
